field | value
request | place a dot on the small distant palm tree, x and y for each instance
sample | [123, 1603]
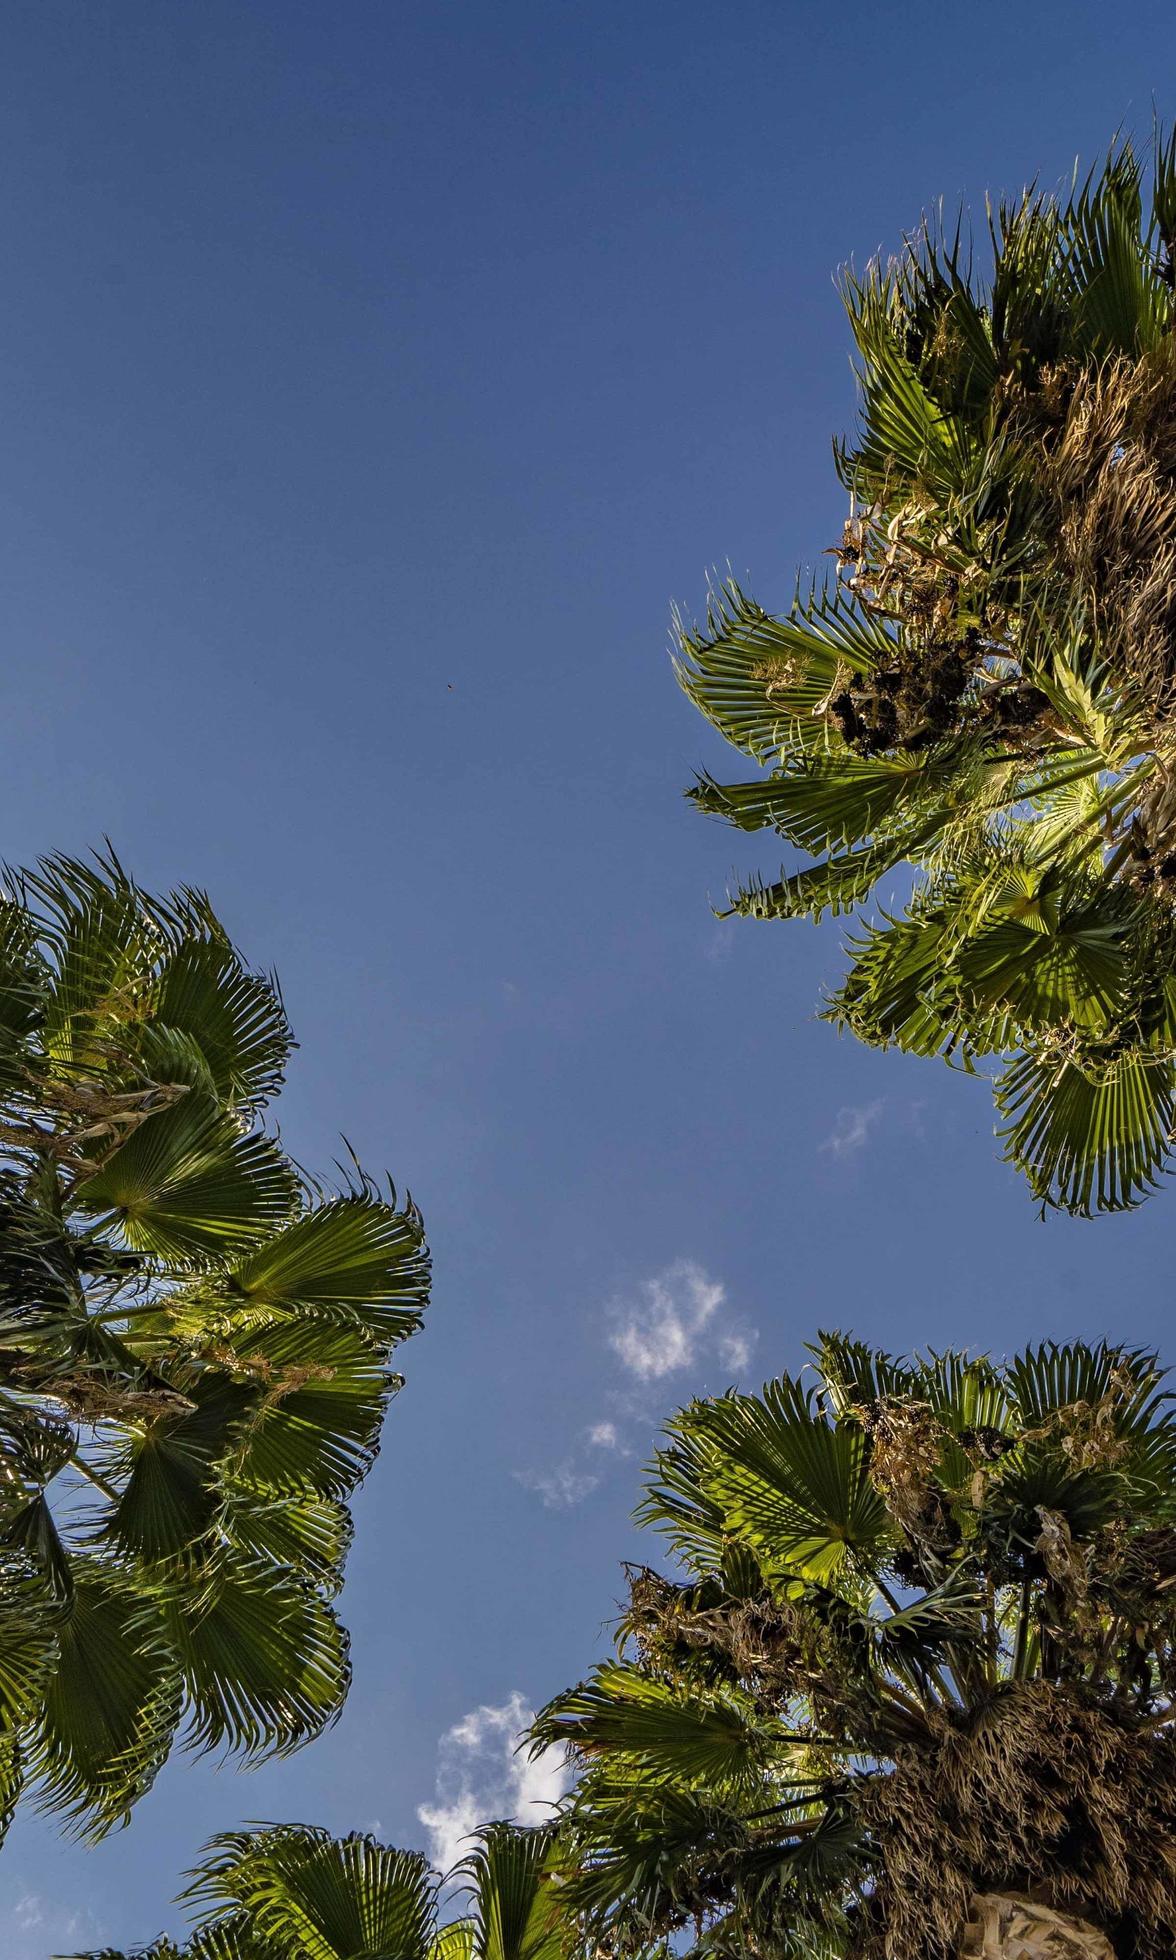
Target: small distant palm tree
[986, 694]
[290, 1892]
[194, 1352]
[913, 1691]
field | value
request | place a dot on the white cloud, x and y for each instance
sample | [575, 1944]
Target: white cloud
[561, 1486]
[482, 1774]
[40, 1925]
[735, 1351]
[672, 1319]
[672, 1322]
[852, 1129]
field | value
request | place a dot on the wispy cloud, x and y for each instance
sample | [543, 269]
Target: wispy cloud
[561, 1486]
[852, 1129]
[672, 1319]
[735, 1351]
[37, 1926]
[657, 1334]
[675, 1321]
[483, 1774]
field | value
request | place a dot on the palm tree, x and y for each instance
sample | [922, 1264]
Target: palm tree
[290, 1892]
[980, 707]
[194, 1352]
[913, 1690]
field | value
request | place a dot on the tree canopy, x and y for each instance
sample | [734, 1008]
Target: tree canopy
[918, 1660]
[971, 727]
[195, 1343]
[293, 1892]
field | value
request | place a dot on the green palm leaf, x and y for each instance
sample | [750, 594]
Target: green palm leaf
[981, 704]
[111, 1708]
[856, 1376]
[235, 1018]
[354, 1257]
[307, 1894]
[293, 1892]
[827, 802]
[194, 1339]
[679, 1500]
[663, 1730]
[1094, 1137]
[311, 1534]
[186, 1185]
[836, 886]
[317, 1428]
[795, 1486]
[264, 1659]
[514, 1904]
[169, 1471]
[454, 1942]
[763, 681]
[104, 938]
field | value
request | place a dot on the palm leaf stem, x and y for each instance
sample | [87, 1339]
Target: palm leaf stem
[1021, 1642]
[92, 1476]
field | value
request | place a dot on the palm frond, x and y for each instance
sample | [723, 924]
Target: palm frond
[795, 1486]
[188, 1186]
[711, 1739]
[306, 1894]
[264, 1660]
[194, 1338]
[355, 1258]
[981, 705]
[1089, 1137]
[112, 1705]
[514, 1903]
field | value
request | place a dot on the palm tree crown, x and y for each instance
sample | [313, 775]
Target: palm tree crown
[986, 693]
[194, 1351]
[920, 1663]
[293, 1892]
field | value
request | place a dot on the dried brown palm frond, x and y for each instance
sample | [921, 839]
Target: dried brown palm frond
[1111, 481]
[1041, 1790]
[1002, 1926]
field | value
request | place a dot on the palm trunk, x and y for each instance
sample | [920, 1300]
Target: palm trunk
[1004, 1926]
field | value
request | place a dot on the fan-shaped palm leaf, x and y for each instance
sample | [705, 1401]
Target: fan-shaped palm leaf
[848, 1748]
[293, 1892]
[195, 1351]
[985, 694]
[514, 1905]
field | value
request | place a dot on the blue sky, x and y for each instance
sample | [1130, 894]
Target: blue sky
[375, 375]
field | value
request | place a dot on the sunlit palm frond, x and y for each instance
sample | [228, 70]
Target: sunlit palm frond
[513, 1898]
[848, 1748]
[713, 1739]
[986, 694]
[195, 1348]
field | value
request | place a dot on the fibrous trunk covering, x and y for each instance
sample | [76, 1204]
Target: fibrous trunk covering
[1043, 1794]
